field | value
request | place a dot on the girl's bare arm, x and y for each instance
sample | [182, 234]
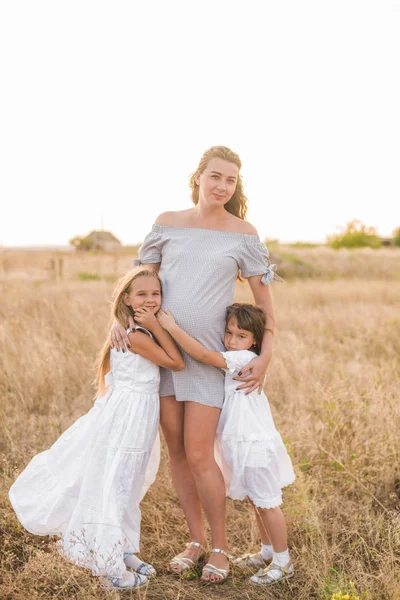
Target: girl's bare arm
[189, 344]
[166, 354]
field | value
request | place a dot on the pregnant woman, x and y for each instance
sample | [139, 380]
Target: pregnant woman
[198, 253]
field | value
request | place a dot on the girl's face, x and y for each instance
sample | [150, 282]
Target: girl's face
[237, 339]
[217, 182]
[144, 291]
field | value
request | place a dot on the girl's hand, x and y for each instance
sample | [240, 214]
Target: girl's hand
[119, 336]
[145, 318]
[165, 319]
[253, 375]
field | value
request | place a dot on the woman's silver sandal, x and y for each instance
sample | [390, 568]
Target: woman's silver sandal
[184, 563]
[143, 569]
[250, 561]
[222, 574]
[263, 577]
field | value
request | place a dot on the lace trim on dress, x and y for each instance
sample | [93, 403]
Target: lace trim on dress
[231, 366]
[273, 503]
[248, 437]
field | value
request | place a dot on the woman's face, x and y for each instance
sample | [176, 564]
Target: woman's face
[236, 338]
[144, 291]
[218, 182]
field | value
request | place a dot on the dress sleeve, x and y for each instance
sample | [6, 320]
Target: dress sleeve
[254, 260]
[150, 251]
[237, 359]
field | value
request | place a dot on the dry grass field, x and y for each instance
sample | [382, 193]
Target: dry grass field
[333, 387]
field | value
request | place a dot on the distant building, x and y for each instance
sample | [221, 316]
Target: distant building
[103, 240]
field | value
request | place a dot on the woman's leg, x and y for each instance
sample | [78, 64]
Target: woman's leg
[172, 420]
[199, 434]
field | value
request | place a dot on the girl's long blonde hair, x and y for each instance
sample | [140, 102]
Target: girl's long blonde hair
[120, 312]
[237, 205]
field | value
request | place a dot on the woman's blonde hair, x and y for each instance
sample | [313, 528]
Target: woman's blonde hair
[237, 205]
[120, 312]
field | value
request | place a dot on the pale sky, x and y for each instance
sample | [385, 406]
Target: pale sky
[107, 107]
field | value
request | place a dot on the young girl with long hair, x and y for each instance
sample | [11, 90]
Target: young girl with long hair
[88, 486]
[254, 462]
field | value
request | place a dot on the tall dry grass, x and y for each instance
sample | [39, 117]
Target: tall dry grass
[333, 386]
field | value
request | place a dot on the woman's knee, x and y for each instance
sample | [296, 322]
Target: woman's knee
[199, 457]
[200, 428]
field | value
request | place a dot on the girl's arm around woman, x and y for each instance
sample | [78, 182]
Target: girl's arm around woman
[189, 344]
[166, 354]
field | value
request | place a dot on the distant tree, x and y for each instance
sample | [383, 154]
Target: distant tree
[396, 236]
[355, 235]
[81, 243]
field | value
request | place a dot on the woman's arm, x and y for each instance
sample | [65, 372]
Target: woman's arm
[189, 344]
[167, 354]
[258, 366]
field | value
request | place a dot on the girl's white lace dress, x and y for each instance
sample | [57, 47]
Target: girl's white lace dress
[87, 487]
[249, 449]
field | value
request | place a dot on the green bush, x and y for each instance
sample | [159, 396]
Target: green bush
[84, 276]
[396, 237]
[355, 235]
[305, 245]
[81, 244]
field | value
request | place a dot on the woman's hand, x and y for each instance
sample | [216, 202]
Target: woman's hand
[165, 319]
[253, 375]
[145, 318]
[119, 336]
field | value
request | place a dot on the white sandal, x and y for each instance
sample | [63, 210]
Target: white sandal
[248, 561]
[184, 563]
[263, 577]
[222, 574]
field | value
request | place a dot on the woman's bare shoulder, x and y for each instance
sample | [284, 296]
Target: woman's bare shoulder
[243, 226]
[172, 218]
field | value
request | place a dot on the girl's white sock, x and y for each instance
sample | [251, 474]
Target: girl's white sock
[281, 558]
[132, 561]
[266, 551]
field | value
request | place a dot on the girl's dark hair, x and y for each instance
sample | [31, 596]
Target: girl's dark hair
[248, 317]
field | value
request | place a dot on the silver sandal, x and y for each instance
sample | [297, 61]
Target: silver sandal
[249, 561]
[184, 563]
[143, 569]
[222, 574]
[124, 583]
[263, 576]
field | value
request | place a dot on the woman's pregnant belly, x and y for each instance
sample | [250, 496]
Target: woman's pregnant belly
[200, 310]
